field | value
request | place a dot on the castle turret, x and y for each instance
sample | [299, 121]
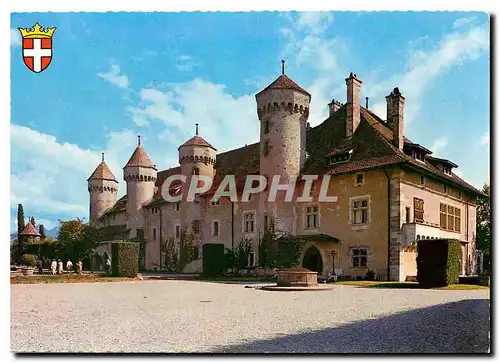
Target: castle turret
[103, 189]
[197, 157]
[140, 174]
[283, 109]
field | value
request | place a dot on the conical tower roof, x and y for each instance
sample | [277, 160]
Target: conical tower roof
[284, 82]
[197, 141]
[140, 158]
[29, 230]
[102, 172]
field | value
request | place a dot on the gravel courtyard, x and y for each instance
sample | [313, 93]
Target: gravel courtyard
[193, 316]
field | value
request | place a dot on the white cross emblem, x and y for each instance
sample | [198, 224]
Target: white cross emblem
[37, 53]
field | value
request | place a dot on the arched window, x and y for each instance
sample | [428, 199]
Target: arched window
[418, 237]
[196, 171]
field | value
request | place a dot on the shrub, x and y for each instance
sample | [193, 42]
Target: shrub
[371, 275]
[28, 260]
[214, 259]
[438, 262]
[125, 259]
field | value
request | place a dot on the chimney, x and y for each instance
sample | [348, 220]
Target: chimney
[353, 106]
[395, 117]
[334, 106]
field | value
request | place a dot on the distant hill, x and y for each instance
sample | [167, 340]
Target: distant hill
[54, 232]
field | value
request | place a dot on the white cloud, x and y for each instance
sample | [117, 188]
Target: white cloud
[439, 144]
[114, 77]
[49, 177]
[225, 121]
[186, 63]
[314, 21]
[460, 22]
[424, 66]
[15, 37]
[485, 139]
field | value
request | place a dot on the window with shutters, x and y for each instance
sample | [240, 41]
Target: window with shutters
[418, 210]
[360, 211]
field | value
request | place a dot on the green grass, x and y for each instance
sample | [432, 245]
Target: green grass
[67, 278]
[407, 285]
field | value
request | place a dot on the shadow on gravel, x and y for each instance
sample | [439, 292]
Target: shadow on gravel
[457, 327]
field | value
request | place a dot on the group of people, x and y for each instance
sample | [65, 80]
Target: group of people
[58, 267]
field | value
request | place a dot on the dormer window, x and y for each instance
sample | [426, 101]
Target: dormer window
[340, 158]
[447, 170]
[419, 155]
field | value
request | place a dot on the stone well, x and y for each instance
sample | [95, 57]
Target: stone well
[297, 277]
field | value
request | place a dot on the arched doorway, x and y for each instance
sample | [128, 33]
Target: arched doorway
[312, 260]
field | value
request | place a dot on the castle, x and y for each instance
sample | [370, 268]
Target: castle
[388, 190]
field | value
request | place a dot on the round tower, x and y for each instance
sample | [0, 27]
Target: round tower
[103, 190]
[197, 157]
[140, 175]
[283, 110]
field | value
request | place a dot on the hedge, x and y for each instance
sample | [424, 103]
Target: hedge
[214, 259]
[438, 262]
[125, 259]
[28, 260]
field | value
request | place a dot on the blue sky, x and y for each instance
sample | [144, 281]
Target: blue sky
[116, 75]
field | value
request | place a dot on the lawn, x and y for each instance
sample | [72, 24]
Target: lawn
[67, 278]
[407, 285]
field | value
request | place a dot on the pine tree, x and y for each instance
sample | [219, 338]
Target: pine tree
[20, 246]
[42, 232]
[20, 219]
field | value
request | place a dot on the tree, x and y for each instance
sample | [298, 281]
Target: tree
[20, 219]
[41, 230]
[483, 226]
[20, 247]
[170, 255]
[32, 221]
[278, 249]
[242, 253]
[77, 240]
[187, 249]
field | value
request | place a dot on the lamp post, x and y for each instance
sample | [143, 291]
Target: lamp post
[333, 266]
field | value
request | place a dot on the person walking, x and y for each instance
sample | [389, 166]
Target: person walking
[69, 266]
[80, 267]
[60, 267]
[108, 266]
[53, 267]
[39, 265]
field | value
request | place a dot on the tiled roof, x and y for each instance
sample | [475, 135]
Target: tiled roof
[102, 172]
[197, 141]
[140, 158]
[372, 145]
[283, 82]
[120, 206]
[29, 230]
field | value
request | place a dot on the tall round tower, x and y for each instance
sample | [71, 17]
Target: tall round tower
[103, 190]
[140, 175]
[283, 109]
[197, 157]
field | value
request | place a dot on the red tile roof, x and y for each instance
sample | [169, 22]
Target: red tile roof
[140, 158]
[29, 230]
[197, 141]
[102, 172]
[283, 82]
